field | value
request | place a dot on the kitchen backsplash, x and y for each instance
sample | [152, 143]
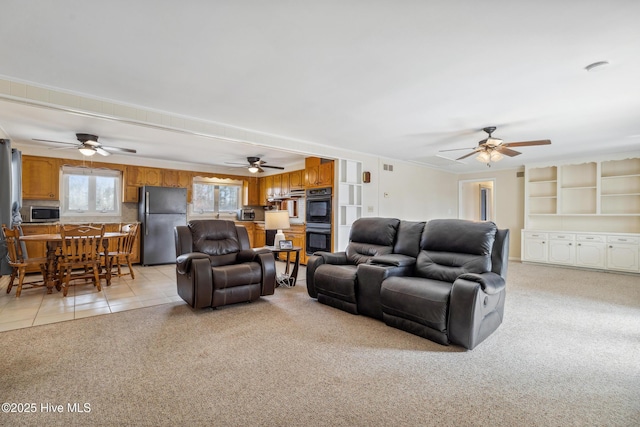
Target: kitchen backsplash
[130, 213]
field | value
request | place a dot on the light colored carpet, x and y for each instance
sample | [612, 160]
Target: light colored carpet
[567, 354]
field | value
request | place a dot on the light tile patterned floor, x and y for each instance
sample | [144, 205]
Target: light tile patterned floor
[153, 285]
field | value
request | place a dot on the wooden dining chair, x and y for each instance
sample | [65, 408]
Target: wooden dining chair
[81, 247]
[122, 255]
[20, 262]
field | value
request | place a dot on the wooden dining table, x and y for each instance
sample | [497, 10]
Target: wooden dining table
[53, 241]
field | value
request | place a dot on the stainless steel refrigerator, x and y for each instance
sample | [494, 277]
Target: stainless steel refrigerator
[10, 195]
[160, 210]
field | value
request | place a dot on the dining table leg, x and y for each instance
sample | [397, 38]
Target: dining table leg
[107, 262]
[51, 273]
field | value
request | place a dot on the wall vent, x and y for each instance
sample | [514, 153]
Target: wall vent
[519, 174]
[387, 167]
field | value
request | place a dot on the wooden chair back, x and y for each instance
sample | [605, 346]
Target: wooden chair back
[126, 243]
[11, 237]
[81, 247]
[123, 252]
[19, 261]
[82, 243]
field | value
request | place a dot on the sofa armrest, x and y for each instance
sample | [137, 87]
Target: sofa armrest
[394, 260]
[246, 255]
[183, 262]
[336, 258]
[370, 278]
[316, 260]
[194, 281]
[491, 283]
[476, 308]
[268, 263]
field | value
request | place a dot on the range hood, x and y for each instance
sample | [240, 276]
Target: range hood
[293, 194]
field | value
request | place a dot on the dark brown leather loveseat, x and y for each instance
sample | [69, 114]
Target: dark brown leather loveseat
[443, 280]
[215, 265]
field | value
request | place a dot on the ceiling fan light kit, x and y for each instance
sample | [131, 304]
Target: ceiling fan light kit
[87, 151]
[493, 149]
[89, 145]
[255, 165]
[489, 156]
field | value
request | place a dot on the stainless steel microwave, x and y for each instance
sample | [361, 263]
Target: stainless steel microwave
[44, 214]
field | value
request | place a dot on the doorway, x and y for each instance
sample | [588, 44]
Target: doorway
[476, 199]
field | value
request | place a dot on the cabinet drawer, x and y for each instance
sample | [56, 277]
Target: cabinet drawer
[534, 235]
[630, 240]
[590, 238]
[562, 236]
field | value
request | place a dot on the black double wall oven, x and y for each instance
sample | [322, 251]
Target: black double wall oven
[318, 220]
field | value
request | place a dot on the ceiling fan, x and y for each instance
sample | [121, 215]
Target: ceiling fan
[493, 149]
[89, 145]
[255, 165]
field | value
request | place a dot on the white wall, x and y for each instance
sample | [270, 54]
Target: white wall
[409, 192]
[508, 194]
[469, 199]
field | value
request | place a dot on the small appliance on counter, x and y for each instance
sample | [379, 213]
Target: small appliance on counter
[246, 214]
[44, 214]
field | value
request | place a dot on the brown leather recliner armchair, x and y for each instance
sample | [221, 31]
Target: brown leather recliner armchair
[216, 266]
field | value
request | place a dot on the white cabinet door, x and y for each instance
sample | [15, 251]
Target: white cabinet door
[535, 247]
[622, 257]
[561, 252]
[591, 254]
[562, 248]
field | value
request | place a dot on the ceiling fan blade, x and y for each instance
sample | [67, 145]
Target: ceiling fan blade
[122, 150]
[456, 149]
[62, 148]
[102, 151]
[527, 143]
[468, 155]
[272, 167]
[56, 142]
[507, 152]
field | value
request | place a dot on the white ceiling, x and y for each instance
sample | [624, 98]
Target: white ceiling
[397, 79]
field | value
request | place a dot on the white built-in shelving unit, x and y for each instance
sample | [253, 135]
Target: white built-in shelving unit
[349, 199]
[585, 214]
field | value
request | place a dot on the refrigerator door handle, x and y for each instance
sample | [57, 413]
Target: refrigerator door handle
[146, 213]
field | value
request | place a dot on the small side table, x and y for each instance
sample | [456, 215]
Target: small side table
[286, 279]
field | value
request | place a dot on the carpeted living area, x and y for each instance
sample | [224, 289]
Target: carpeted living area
[566, 354]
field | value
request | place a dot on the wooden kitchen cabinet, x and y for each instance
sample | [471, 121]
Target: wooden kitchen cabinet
[277, 185]
[178, 179]
[296, 180]
[40, 178]
[284, 184]
[259, 236]
[253, 191]
[318, 172]
[137, 176]
[262, 185]
[268, 185]
[250, 226]
[298, 236]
